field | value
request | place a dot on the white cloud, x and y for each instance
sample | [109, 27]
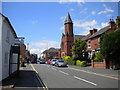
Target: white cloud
[88, 25]
[36, 51]
[40, 46]
[71, 9]
[107, 10]
[34, 22]
[63, 18]
[85, 24]
[109, 15]
[83, 11]
[104, 24]
[44, 44]
[93, 12]
[62, 28]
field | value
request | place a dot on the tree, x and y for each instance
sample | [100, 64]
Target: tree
[110, 47]
[79, 49]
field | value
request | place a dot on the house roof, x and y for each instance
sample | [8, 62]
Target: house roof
[79, 36]
[51, 50]
[9, 24]
[100, 32]
[86, 37]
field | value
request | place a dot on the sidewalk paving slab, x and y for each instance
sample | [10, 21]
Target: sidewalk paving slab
[27, 80]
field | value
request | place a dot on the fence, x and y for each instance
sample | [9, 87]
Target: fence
[99, 64]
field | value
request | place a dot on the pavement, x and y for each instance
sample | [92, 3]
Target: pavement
[27, 80]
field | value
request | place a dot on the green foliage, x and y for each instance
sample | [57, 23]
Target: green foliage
[117, 23]
[110, 46]
[66, 58]
[81, 63]
[79, 47]
[69, 60]
[98, 57]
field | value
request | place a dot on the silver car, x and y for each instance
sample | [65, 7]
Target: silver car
[60, 63]
[53, 62]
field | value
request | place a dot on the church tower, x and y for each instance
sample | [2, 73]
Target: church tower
[69, 36]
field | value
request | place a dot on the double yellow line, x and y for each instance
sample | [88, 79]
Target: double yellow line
[93, 73]
[42, 83]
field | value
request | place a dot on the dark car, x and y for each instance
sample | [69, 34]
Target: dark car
[60, 63]
[42, 61]
[33, 58]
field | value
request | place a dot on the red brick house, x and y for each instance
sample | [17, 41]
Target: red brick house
[94, 40]
[68, 38]
[51, 53]
[93, 43]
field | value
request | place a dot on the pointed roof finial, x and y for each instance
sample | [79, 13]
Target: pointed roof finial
[68, 19]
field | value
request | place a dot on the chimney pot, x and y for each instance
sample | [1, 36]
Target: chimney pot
[91, 32]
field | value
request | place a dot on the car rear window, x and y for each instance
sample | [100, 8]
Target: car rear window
[54, 60]
[60, 61]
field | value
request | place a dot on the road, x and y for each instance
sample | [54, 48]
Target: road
[76, 77]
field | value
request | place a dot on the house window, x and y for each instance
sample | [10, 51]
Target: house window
[8, 36]
[89, 45]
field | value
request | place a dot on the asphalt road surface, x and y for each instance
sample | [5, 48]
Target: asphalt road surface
[76, 77]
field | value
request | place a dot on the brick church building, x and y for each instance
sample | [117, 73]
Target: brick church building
[67, 38]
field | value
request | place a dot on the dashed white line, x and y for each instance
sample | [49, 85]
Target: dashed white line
[63, 72]
[85, 80]
[54, 69]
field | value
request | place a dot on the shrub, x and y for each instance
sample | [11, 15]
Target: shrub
[71, 61]
[78, 62]
[68, 60]
[81, 63]
[98, 57]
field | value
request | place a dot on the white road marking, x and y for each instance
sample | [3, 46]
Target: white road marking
[54, 69]
[43, 84]
[85, 80]
[63, 72]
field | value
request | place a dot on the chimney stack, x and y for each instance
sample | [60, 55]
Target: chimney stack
[112, 24]
[94, 31]
[91, 32]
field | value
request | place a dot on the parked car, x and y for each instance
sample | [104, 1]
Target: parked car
[33, 58]
[53, 62]
[34, 61]
[49, 61]
[60, 63]
[42, 61]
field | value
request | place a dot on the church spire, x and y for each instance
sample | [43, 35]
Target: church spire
[68, 19]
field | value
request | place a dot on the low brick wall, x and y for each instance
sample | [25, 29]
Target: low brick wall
[99, 64]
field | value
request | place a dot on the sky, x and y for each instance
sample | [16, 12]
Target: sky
[42, 23]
